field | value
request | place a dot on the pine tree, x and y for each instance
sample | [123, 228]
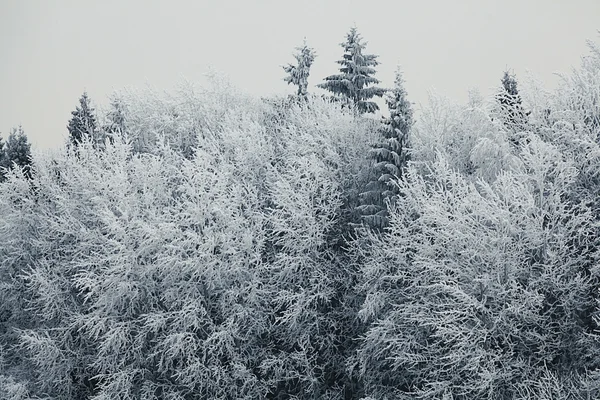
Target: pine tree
[83, 123]
[3, 161]
[298, 74]
[514, 115]
[17, 151]
[389, 156]
[116, 120]
[356, 75]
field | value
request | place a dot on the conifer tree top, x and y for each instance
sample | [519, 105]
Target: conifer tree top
[298, 74]
[356, 74]
[509, 83]
[511, 105]
[83, 121]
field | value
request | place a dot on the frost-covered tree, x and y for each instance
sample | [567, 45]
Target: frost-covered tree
[16, 151]
[389, 155]
[512, 112]
[3, 163]
[356, 75]
[83, 122]
[115, 124]
[298, 74]
[467, 136]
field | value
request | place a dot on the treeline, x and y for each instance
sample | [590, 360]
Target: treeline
[205, 244]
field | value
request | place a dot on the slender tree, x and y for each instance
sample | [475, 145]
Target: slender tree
[16, 151]
[356, 75]
[513, 114]
[3, 161]
[83, 123]
[116, 120]
[389, 156]
[298, 74]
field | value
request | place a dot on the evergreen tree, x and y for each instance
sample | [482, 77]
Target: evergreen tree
[16, 151]
[83, 123]
[298, 74]
[357, 70]
[389, 155]
[513, 114]
[3, 161]
[116, 125]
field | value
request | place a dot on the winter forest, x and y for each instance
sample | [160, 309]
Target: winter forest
[207, 244]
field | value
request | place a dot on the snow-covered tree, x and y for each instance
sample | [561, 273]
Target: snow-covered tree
[83, 122]
[356, 75]
[16, 151]
[389, 155]
[3, 163]
[512, 112]
[298, 74]
[115, 124]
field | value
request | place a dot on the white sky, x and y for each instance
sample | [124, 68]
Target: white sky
[51, 50]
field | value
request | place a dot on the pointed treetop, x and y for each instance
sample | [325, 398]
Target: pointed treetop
[298, 74]
[401, 114]
[83, 122]
[509, 83]
[16, 150]
[514, 115]
[356, 74]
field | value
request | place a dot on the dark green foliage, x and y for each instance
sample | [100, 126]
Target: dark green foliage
[115, 125]
[83, 122]
[16, 151]
[3, 163]
[389, 155]
[298, 74]
[357, 70]
[513, 114]
[116, 117]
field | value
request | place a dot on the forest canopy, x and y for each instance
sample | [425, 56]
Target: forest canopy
[206, 244]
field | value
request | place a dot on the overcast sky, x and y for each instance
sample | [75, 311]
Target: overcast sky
[51, 50]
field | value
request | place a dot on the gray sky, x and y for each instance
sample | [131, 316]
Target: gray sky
[52, 50]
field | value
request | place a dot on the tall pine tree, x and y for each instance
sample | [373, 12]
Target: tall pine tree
[83, 122]
[115, 125]
[513, 115]
[389, 156]
[16, 151]
[3, 161]
[298, 74]
[356, 75]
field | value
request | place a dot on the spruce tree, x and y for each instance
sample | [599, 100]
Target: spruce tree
[116, 121]
[83, 123]
[298, 74]
[17, 151]
[389, 156]
[3, 161]
[356, 75]
[513, 114]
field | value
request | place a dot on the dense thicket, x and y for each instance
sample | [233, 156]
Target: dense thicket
[206, 253]
[165, 274]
